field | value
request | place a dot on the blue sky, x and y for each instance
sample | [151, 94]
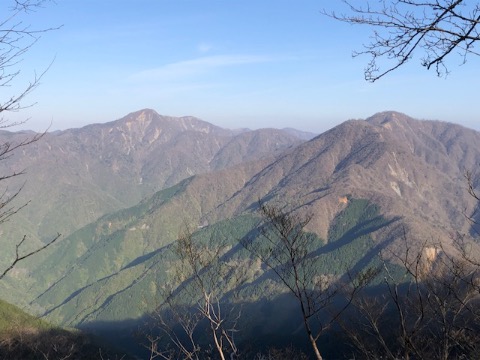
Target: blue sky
[242, 63]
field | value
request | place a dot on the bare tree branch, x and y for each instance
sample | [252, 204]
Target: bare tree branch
[286, 248]
[16, 39]
[403, 28]
[195, 297]
[428, 308]
[20, 257]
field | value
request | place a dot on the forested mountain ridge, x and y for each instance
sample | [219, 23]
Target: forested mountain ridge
[73, 177]
[413, 169]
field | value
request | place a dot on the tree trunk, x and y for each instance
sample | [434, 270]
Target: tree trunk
[314, 346]
[217, 344]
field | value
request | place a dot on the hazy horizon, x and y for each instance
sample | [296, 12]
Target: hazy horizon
[244, 64]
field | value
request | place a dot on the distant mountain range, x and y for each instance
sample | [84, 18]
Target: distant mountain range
[124, 190]
[75, 176]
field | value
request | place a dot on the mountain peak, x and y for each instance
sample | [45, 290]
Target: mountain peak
[385, 117]
[142, 115]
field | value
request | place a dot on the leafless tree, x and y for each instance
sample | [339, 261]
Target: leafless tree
[428, 308]
[16, 39]
[200, 278]
[20, 342]
[286, 248]
[403, 28]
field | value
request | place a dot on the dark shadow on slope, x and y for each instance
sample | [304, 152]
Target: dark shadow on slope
[73, 295]
[143, 258]
[139, 260]
[320, 190]
[125, 334]
[264, 324]
[271, 322]
[275, 323]
[93, 248]
[368, 258]
[362, 229]
[54, 344]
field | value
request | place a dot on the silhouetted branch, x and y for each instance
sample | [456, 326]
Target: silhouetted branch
[401, 28]
[19, 257]
[16, 39]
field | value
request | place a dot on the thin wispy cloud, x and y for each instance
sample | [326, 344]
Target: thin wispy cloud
[191, 68]
[204, 47]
